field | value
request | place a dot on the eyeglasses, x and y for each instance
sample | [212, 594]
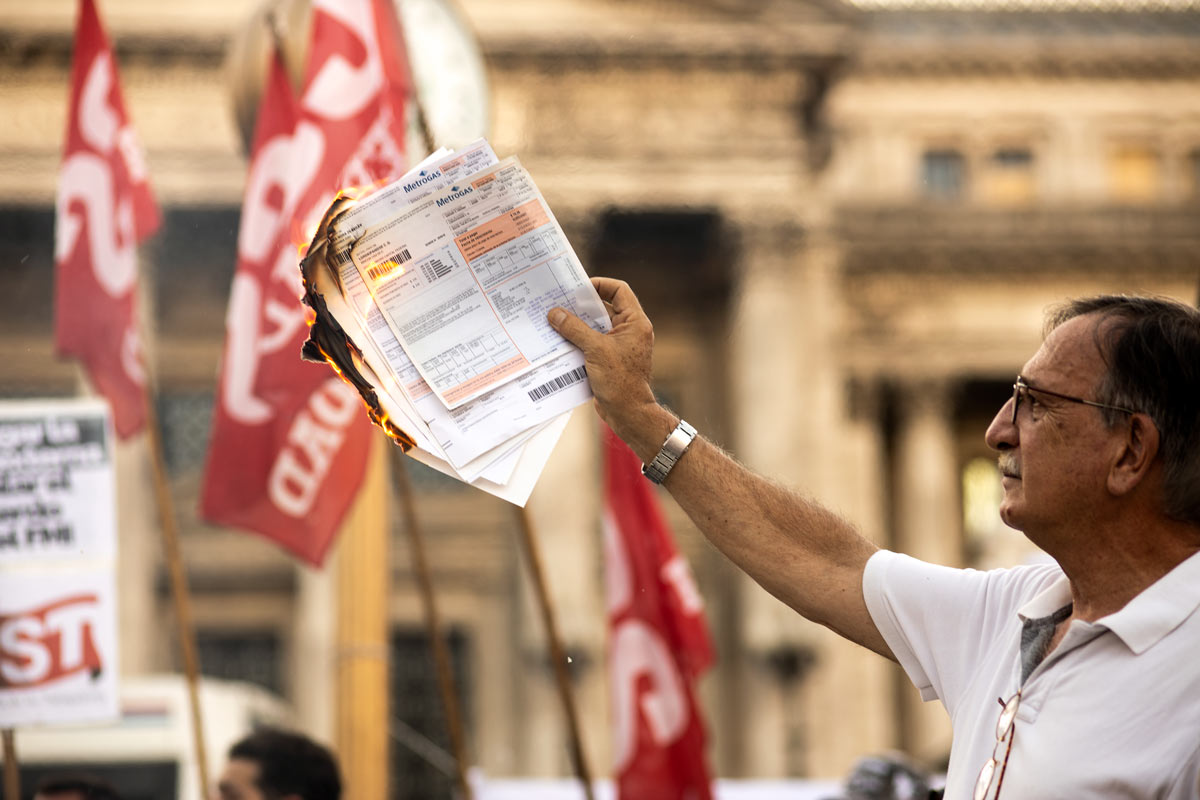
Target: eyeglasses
[1005, 730]
[1022, 387]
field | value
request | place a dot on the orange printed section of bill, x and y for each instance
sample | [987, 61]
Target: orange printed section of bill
[502, 229]
[496, 374]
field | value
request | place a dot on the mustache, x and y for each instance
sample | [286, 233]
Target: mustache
[1009, 465]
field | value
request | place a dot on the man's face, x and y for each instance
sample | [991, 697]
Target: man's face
[1054, 460]
[239, 781]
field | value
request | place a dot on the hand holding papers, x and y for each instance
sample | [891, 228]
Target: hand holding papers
[431, 296]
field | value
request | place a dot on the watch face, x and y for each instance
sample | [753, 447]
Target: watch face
[448, 71]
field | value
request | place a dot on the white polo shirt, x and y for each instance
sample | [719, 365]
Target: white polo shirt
[1112, 712]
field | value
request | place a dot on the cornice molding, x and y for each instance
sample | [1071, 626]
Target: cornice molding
[805, 45]
[923, 241]
[1024, 260]
[926, 222]
[1146, 59]
[1084, 41]
[54, 49]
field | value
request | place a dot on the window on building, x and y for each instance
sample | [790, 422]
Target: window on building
[1134, 174]
[186, 420]
[27, 304]
[943, 174]
[422, 765]
[253, 656]
[1008, 177]
[193, 258]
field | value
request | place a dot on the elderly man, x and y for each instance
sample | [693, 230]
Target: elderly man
[1072, 680]
[274, 764]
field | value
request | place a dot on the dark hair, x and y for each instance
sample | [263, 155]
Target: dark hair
[85, 786]
[290, 763]
[1151, 346]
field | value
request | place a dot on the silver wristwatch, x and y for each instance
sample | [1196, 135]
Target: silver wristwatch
[673, 448]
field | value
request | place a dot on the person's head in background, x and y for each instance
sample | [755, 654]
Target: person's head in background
[274, 764]
[75, 787]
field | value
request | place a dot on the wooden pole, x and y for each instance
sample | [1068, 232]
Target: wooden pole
[178, 579]
[12, 770]
[433, 626]
[363, 652]
[558, 656]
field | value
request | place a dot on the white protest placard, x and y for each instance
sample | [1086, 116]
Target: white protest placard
[58, 606]
[58, 646]
[56, 481]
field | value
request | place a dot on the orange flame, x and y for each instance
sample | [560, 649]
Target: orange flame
[359, 192]
[301, 238]
[384, 271]
[375, 412]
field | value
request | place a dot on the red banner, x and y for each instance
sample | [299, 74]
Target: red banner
[659, 642]
[103, 209]
[290, 440]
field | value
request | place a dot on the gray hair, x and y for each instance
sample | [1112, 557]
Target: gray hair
[1151, 346]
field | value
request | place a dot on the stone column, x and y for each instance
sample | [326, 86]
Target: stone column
[928, 524]
[139, 555]
[852, 691]
[794, 422]
[313, 648]
[768, 383]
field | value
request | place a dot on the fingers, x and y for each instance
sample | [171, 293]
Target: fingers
[572, 328]
[617, 296]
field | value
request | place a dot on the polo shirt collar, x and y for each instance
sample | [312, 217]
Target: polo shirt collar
[1049, 600]
[1145, 619]
[1158, 610]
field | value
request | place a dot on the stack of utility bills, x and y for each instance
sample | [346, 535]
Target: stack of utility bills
[431, 296]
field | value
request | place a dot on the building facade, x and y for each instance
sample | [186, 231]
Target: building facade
[845, 222]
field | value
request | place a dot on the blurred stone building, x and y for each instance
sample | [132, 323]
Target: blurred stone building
[845, 221]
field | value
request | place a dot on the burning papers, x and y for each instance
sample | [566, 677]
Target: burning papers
[431, 297]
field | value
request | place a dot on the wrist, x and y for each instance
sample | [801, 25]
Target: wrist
[644, 428]
[672, 450]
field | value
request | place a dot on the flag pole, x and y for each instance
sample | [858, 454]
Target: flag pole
[432, 620]
[12, 771]
[178, 580]
[558, 655]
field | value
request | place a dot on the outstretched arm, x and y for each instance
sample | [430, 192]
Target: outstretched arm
[799, 551]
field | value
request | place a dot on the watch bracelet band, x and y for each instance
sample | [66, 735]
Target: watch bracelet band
[672, 450]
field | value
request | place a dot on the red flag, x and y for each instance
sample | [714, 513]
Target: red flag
[290, 439]
[659, 643]
[104, 208]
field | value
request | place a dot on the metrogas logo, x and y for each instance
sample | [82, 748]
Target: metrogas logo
[455, 193]
[43, 645]
[423, 178]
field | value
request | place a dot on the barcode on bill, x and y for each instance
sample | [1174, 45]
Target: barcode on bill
[435, 268]
[378, 271]
[561, 382]
[339, 259]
